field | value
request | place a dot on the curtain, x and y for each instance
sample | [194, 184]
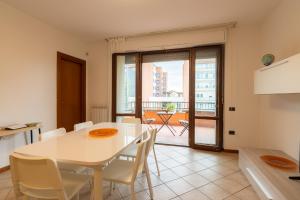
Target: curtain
[114, 45]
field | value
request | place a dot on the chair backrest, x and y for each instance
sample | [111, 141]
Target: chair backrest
[36, 177]
[53, 133]
[151, 142]
[131, 120]
[140, 155]
[83, 125]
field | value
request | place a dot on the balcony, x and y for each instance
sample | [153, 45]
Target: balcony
[204, 129]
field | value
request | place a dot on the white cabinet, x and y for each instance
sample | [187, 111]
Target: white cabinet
[269, 183]
[282, 77]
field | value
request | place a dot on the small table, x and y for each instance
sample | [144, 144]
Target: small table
[165, 118]
[5, 132]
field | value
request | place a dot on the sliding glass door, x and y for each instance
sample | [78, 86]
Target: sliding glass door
[165, 95]
[125, 78]
[179, 92]
[206, 98]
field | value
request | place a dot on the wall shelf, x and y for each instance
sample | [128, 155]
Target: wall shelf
[282, 77]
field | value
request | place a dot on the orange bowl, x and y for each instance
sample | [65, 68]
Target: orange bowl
[279, 162]
[103, 132]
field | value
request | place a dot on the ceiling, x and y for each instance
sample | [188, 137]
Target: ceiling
[98, 19]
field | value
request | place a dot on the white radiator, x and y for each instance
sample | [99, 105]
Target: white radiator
[99, 114]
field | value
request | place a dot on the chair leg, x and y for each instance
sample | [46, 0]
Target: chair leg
[77, 196]
[158, 172]
[110, 187]
[92, 194]
[149, 180]
[132, 191]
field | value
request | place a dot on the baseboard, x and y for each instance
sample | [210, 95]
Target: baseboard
[4, 169]
[231, 151]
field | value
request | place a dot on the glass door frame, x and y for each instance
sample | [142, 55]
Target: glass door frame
[138, 98]
[192, 117]
[219, 100]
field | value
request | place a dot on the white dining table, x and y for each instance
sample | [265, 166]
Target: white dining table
[81, 149]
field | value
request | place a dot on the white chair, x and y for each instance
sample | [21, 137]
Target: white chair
[125, 172]
[53, 133]
[131, 120]
[62, 166]
[83, 125]
[40, 178]
[131, 151]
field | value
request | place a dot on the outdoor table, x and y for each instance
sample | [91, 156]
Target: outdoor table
[165, 117]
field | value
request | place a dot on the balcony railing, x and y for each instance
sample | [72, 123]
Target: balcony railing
[180, 106]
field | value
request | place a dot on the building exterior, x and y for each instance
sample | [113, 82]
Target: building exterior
[159, 82]
[205, 84]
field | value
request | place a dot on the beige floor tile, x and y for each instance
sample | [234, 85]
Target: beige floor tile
[214, 192]
[125, 189]
[179, 186]
[5, 175]
[11, 195]
[143, 195]
[232, 164]
[229, 185]
[5, 183]
[195, 166]
[162, 157]
[210, 174]
[196, 180]
[194, 195]
[206, 162]
[182, 159]
[4, 193]
[220, 169]
[195, 156]
[182, 171]
[218, 159]
[168, 175]
[153, 169]
[247, 194]
[232, 198]
[171, 163]
[240, 178]
[155, 181]
[162, 192]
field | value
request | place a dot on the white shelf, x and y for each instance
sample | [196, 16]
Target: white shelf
[270, 183]
[282, 77]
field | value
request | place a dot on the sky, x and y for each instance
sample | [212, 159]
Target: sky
[175, 74]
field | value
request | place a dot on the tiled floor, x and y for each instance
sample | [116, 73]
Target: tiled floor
[186, 174]
[203, 135]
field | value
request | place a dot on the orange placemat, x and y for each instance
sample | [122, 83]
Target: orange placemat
[279, 162]
[103, 132]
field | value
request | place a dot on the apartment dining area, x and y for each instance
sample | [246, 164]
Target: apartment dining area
[149, 100]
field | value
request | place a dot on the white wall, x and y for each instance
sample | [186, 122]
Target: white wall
[280, 114]
[240, 62]
[28, 72]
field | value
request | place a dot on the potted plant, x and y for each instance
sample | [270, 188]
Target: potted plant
[170, 107]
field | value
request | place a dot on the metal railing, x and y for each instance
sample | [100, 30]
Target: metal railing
[180, 106]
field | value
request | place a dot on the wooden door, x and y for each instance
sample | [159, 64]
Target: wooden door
[70, 91]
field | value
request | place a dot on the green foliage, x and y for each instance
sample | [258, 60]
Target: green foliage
[170, 107]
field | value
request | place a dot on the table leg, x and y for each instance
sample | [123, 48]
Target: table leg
[98, 194]
[25, 138]
[40, 132]
[31, 136]
[167, 119]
